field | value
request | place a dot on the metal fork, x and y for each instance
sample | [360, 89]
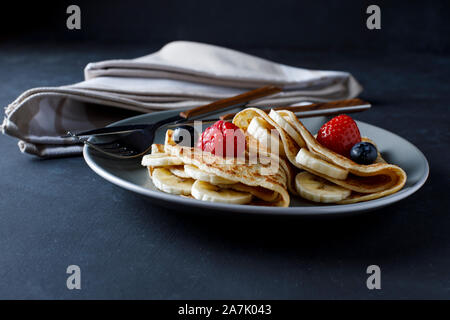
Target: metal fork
[124, 145]
[138, 142]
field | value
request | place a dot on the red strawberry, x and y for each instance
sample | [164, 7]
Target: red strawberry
[339, 134]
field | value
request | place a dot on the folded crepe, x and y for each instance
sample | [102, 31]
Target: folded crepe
[366, 182]
[266, 180]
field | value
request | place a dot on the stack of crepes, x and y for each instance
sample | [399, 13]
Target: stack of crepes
[281, 158]
[324, 168]
[190, 172]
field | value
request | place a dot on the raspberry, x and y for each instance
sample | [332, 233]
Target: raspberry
[222, 139]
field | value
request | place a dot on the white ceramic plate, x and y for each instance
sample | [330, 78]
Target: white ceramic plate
[129, 174]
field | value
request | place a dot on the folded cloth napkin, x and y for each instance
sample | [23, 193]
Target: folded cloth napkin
[180, 75]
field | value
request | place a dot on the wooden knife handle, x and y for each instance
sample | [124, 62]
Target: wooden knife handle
[241, 98]
[321, 106]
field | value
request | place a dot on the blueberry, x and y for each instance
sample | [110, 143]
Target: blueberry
[184, 135]
[363, 153]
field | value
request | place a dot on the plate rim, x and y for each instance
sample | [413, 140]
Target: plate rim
[319, 210]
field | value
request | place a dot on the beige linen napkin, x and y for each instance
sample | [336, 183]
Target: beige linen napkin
[180, 75]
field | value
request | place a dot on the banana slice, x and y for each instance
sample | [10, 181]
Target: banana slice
[205, 191]
[197, 174]
[165, 181]
[260, 130]
[258, 192]
[283, 123]
[317, 189]
[313, 162]
[178, 171]
[160, 160]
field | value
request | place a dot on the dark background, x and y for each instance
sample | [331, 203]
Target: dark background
[54, 213]
[319, 24]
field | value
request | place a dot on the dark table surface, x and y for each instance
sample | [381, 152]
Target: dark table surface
[56, 213]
